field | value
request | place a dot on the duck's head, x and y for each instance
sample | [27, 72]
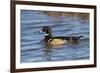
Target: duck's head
[47, 31]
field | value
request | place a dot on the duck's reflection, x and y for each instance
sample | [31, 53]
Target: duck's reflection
[47, 54]
[48, 51]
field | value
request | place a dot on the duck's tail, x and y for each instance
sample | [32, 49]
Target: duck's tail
[75, 39]
[80, 36]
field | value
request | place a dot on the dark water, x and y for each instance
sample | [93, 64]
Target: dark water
[32, 45]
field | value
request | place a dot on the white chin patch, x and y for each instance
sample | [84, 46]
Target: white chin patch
[46, 34]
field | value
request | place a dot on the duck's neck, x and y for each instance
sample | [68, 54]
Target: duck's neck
[48, 36]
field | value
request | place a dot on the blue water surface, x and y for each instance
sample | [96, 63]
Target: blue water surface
[32, 44]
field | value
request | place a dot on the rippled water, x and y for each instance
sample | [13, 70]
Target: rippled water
[32, 45]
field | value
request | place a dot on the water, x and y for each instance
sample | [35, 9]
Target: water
[32, 44]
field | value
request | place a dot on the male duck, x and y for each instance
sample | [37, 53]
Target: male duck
[59, 40]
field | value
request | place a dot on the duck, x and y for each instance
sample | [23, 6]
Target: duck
[57, 40]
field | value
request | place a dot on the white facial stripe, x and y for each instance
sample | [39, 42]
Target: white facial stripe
[46, 34]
